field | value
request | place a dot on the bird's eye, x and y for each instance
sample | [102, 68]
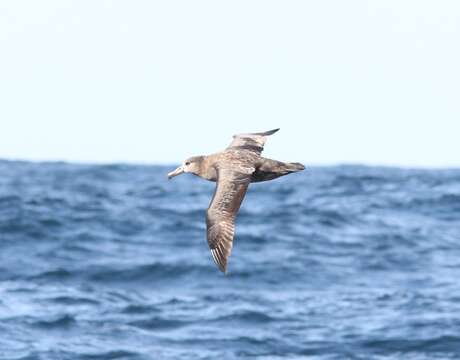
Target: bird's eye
[187, 163]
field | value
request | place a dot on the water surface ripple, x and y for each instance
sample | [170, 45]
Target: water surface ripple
[111, 262]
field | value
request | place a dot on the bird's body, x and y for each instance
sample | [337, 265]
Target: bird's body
[233, 169]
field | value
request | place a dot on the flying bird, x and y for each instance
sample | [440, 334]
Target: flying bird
[233, 170]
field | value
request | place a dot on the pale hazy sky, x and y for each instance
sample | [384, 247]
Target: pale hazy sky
[374, 82]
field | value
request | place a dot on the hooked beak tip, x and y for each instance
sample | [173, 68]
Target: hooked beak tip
[176, 172]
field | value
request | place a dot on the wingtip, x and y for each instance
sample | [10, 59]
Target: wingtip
[222, 269]
[271, 132]
[221, 266]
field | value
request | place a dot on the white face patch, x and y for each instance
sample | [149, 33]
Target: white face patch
[192, 166]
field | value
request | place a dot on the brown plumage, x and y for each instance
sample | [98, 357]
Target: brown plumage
[233, 169]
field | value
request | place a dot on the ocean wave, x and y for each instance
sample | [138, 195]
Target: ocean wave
[101, 262]
[60, 323]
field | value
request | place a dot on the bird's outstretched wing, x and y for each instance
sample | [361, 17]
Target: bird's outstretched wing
[231, 187]
[253, 142]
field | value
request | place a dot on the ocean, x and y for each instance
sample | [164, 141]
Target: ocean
[345, 262]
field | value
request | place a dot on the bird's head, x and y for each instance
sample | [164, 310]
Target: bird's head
[190, 165]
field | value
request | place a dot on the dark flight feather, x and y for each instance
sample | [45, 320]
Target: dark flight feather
[220, 217]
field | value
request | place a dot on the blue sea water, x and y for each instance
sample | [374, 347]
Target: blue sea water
[111, 262]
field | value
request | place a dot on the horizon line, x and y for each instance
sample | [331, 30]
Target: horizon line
[173, 163]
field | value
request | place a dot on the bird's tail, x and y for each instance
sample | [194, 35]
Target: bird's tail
[293, 167]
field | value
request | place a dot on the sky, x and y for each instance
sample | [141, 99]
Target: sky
[372, 82]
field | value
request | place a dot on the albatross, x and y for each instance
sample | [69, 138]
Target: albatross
[233, 170]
